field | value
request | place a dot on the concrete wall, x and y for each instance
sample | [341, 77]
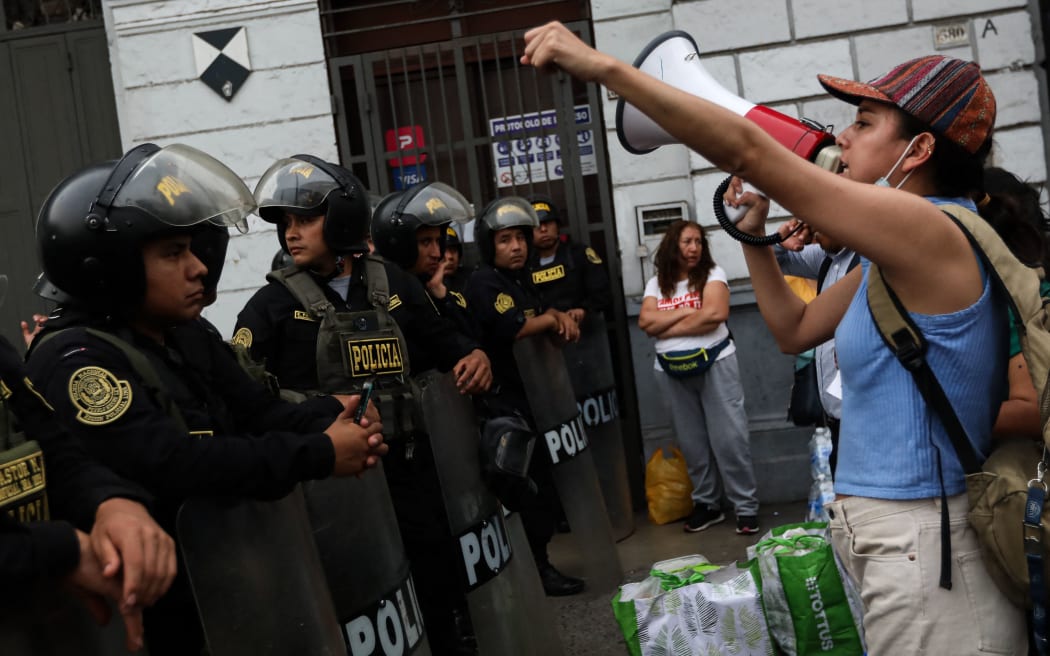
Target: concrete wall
[283, 108]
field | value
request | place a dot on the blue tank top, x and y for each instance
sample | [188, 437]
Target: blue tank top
[890, 439]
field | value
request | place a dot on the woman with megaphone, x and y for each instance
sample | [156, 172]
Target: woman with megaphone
[921, 135]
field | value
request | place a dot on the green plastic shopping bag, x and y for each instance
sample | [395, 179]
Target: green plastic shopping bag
[695, 608]
[810, 605]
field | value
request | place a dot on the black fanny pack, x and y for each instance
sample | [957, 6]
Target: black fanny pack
[686, 364]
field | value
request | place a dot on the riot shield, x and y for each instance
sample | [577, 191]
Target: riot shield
[256, 577]
[50, 621]
[504, 592]
[365, 564]
[562, 434]
[590, 369]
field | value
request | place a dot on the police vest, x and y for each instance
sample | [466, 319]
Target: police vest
[23, 480]
[354, 347]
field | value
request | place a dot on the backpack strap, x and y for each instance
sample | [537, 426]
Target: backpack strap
[378, 285]
[305, 290]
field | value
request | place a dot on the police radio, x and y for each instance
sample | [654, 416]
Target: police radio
[674, 58]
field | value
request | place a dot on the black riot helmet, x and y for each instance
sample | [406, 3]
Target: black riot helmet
[400, 215]
[452, 240]
[545, 208]
[92, 226]
[305, 185]
[509, 212]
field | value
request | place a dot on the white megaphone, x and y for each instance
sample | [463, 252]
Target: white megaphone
[673, 57]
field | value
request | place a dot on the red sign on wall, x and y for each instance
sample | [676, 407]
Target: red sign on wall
[402, 139]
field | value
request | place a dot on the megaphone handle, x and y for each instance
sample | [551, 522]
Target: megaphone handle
[734, 214]
[729, 224]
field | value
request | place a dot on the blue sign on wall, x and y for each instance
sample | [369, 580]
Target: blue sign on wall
[407, 176]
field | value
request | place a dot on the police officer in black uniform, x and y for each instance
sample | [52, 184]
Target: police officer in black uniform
[322, 217]
[150, 390]
[507, 307]
[456, 275]
[569, 276]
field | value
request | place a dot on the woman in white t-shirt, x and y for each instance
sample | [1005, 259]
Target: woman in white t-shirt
[685, 308]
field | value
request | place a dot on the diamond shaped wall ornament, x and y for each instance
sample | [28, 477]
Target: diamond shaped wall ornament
[222, 59]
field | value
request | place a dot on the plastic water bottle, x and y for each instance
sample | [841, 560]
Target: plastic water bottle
[821, 491]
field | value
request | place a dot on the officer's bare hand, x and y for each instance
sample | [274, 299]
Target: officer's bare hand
[93, 588]
[350, 403]
[754, 221]
[436, 284]
[577, 315]
[357, 447]
[565, 327]
[473, 373]
[29, 333]
[553, 45]
[127, 541]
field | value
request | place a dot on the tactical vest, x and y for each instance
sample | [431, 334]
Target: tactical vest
[23, 479]
[353, 347]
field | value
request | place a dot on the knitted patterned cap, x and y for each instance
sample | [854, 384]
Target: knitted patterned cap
[945, 93]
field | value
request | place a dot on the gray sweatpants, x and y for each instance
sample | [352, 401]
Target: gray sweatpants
[707, 412]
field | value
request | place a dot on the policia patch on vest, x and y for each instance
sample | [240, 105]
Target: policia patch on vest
[592, 256]
[243, 336]
[503, 303]
[547, 275]
[381, 356]
[23, 484]
[101, 398]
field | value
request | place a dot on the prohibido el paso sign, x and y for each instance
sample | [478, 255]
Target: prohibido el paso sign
[99, 396]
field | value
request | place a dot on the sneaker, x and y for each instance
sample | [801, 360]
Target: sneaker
[701, 518]
[746, 525]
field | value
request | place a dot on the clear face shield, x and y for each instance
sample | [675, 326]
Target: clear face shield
[182, 186]
[435, 204]
[293, 185]
[510, 212]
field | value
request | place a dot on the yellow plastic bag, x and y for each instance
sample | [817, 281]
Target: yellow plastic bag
[667, 487]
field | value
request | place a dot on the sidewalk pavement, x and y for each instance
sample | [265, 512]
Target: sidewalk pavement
[586, 623]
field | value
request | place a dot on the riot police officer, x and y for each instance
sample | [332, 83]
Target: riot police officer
[456, 275]
[150, 390]
[322, 216]
[569, 276]
[507, 307]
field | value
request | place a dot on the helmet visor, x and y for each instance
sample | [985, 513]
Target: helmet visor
[182, 186]
[510, 212]
[295, 186]
[435, 204]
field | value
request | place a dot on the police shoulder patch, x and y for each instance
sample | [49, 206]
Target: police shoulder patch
[243, 336]
[503, 303]
[100, 397]
[395, 301]
[460, 300]
[592, 257]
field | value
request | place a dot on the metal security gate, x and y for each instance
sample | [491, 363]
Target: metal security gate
[465, 112]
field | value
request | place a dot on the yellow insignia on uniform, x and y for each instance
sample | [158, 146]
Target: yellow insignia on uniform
[243, 336]
[101, 398]
[303, 170]
[530, 313]
[450, 231]
[435, 204]
[5, 391]
[592, 256]
[40, 397]
[547, 275]
[541, 207]
[380, 356]
[302, 315]
[172, 188]
[202, 433]
[460, 301]
[395, 301]
[503, 303]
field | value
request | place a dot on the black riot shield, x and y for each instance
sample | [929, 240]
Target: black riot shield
[256, 577]
[50, 621]
[365, 563]
[506, 599]
[591, 372]
[562, 434]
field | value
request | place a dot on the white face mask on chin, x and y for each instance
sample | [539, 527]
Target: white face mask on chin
[884, 180]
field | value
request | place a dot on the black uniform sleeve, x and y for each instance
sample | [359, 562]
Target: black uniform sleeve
[424, 329]
[76, 484]
[255, 327]
[487, 300]
[133, 435]
[37, 551]
[598, 295]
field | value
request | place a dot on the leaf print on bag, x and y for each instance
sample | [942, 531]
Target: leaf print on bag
[751, 628]
[680, 643]
[708, 614]
[659, 645]
[690, 617]
[729, 632]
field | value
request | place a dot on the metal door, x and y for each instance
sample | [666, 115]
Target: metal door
[464, 112]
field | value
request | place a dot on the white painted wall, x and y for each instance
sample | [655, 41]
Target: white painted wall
[771, 53]
[283, 108]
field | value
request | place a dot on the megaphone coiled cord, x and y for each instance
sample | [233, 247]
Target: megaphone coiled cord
[737, 233]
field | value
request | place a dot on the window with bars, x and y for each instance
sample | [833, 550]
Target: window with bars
[27, 14]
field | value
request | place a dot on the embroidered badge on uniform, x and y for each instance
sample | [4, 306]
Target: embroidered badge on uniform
[40, 397]
[503, 303]
[547, 275]
[302, 316]
[101, 398]
[592, 256]
[460, 301]
[395, 301]
[243, 336]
